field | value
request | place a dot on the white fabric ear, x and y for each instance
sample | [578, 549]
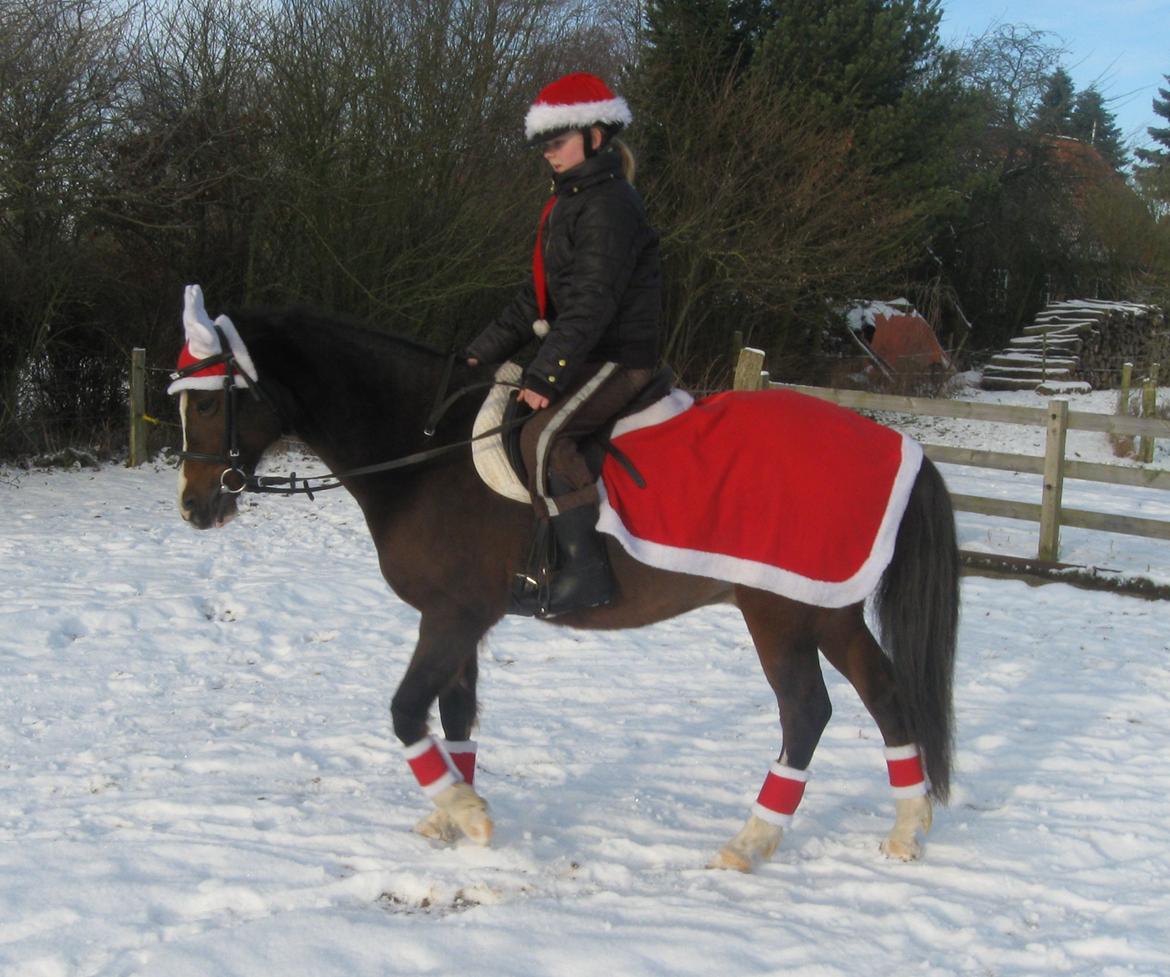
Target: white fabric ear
[201, 338]
[236, 342]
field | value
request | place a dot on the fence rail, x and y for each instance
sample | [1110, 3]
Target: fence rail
[1053, 466]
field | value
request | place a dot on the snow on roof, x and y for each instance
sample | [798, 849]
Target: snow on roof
[864, 313]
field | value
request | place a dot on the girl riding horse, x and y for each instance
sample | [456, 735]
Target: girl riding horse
[593, 300]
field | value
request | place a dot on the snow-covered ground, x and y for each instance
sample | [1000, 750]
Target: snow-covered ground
[197, 775]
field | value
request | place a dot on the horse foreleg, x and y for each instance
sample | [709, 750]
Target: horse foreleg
[756, 842]
[443, 666]
[457, 710]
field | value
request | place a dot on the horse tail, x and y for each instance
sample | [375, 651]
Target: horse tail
[917, 606]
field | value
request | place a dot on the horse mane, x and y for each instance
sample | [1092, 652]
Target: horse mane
[380, 347]
[388, 381]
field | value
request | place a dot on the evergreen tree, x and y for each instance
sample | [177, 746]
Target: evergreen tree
[854, 55]
[877, 70]
[1153, 170]
[678, 32]
[1091, 122]
[1054, 114]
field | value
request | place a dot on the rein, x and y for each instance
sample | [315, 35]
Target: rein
[293, 484]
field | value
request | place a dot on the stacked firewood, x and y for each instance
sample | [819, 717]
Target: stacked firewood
[1079, 344]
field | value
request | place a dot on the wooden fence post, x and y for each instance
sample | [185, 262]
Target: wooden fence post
[137, 406]
[749, 369]
[1123, 393]
[1053, 480]
[1149, 409]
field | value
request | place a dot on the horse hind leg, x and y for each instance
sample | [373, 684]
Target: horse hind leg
[851, 648]
[913, 817]
[781, 631]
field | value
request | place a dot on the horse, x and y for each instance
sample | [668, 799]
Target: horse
[448, 546]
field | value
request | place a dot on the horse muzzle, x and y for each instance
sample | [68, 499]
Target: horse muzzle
[213, 508]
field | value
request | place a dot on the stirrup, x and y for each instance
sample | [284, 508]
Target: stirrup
[529, 596]
[532, 598]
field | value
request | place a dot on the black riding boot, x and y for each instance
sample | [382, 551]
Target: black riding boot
[579, 577]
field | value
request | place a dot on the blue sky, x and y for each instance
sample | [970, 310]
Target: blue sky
[1123, 46]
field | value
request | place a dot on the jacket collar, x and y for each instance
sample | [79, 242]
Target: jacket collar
[605, 166]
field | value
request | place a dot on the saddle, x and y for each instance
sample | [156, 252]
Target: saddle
[498, 458]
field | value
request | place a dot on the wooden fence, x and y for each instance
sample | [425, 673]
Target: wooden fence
[1054, 466]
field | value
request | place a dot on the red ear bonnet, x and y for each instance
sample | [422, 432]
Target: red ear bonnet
[203, 343]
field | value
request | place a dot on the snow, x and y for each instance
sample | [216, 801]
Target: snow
[867, 313]
[198, 779]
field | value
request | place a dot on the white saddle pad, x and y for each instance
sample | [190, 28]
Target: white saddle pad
[488, 453]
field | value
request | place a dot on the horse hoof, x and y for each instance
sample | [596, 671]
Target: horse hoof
[902, 849]
[438, 826]
[467, 811]
[729, 860]
[914, 816]
[756, 842]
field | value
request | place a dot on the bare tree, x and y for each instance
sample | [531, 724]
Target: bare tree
[767, 217]
[61, 74]
[1011, 66]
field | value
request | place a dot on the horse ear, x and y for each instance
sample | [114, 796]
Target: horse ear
[201, 338]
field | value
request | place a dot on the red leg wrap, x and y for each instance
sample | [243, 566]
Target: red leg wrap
[462, 754]
[905, 766]
[780, 796]
[431, 766]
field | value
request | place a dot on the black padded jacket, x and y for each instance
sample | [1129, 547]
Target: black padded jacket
[604, 283]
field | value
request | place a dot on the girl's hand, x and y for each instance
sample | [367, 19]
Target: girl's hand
[532, 399]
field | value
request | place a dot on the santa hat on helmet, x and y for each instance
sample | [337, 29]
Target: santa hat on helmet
[575, 101]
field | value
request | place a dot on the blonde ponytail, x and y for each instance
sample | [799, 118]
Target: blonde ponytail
[629, 164]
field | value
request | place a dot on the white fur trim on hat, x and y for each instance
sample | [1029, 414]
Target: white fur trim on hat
[549, 117]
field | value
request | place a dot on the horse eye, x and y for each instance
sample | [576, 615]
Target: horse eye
[205, 406]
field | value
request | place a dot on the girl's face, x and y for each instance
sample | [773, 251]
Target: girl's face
[568, 150]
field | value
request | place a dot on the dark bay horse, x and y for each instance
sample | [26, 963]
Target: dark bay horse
[448, 546]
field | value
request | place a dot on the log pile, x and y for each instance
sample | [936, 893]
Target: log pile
[1078, 345]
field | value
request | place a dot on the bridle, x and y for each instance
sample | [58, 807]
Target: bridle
[230, 455]
[293, 484]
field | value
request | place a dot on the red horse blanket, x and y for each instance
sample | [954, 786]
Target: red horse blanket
[771, 489]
